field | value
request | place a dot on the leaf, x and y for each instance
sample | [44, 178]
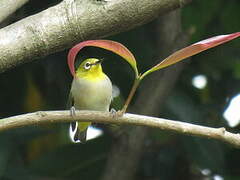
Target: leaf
[113, 46]
[192, 50]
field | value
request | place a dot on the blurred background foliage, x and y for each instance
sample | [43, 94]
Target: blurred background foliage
[46, 152]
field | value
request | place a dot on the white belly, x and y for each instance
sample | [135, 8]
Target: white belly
[92, 95]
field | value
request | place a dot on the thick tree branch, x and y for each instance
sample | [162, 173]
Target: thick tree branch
[46, 117]
[8, 7]
[69, 22]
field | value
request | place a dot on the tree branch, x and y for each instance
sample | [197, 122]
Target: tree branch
[46, 117]
[69, 22]
[8, 7]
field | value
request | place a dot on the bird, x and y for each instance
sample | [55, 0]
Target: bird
[91, 89]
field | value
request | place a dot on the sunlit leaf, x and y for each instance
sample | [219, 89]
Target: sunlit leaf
[192, 50]
[113, 46]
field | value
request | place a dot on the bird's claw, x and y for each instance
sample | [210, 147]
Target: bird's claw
[116, 114]
[72, 111]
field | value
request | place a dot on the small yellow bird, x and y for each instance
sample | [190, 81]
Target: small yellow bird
[91, 90]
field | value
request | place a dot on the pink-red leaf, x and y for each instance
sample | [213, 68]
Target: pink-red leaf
[192, 50]
[113, 46]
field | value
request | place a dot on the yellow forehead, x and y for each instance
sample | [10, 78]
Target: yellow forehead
[90, 60]
[87, 62]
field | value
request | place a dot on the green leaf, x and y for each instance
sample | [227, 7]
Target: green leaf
[192, 50]
[113, 46]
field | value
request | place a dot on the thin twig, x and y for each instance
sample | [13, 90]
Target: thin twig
[131, 94]
[46, 117]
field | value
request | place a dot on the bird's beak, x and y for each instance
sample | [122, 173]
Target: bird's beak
[98, 62]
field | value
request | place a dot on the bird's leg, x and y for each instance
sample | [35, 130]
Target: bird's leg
[73, 114]
[116, 114]
[72, 111]
[113, 111]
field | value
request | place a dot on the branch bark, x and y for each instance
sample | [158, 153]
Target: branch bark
[46, 117]
[8, 7]
[69, 22]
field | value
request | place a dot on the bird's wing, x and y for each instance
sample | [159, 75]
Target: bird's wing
[70, 101]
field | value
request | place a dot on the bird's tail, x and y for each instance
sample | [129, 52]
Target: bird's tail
[81, 136]
[80, 131]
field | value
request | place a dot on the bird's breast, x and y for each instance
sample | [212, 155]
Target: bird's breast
[92, 95]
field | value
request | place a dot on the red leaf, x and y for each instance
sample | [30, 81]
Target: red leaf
[192, 50]
[105, 44]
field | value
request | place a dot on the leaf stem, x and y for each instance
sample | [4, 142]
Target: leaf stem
[144, 74]
[131, 94]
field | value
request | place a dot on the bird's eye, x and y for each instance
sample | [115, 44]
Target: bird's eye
[87, 65]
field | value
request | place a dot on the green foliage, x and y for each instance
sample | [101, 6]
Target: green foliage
[46, 152]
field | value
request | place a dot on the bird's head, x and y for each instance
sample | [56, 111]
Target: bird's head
[91, 69]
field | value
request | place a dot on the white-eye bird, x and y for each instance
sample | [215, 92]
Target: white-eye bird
[91, 90]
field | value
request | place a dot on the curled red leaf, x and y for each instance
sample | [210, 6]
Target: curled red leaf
[113, 46]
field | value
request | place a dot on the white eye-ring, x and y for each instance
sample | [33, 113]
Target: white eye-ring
[87, 65]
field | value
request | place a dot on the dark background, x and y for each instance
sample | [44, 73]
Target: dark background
[46, 152]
